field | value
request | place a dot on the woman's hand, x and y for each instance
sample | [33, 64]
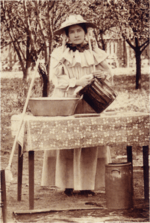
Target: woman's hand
[105, 69]
[85, 80]
[99, 74]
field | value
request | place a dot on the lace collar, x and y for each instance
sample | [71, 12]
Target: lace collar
[85, 58]
[80, 47]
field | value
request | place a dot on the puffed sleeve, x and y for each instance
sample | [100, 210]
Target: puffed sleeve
[59, 75]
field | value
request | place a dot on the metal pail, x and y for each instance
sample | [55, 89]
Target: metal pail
[118, 185]
[99, 95]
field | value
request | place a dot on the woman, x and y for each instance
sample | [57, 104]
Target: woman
[72, 65]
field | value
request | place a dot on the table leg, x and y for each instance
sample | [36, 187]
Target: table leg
[130, 160]
[31, 180]
[3, 196]
[129, 154]
[20, 169]
[146, 172]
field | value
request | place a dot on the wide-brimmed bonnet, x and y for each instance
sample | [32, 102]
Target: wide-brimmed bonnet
[73, 20]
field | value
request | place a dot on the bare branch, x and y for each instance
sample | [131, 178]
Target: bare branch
[38, 16]
[17, 51]
[145, 46]
[51, 5]
[147, 41]
[128, 41]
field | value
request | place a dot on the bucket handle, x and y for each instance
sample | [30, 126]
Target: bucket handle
[116, 170]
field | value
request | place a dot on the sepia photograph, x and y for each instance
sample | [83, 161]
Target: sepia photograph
[75, 111]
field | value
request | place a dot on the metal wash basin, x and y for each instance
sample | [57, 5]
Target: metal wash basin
[46, 106]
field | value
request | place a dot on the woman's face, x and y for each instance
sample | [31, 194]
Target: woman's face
[76, 34]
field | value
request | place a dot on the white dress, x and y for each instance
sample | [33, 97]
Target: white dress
[82, 168]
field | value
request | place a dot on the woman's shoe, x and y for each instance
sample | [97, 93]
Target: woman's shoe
[86, 192]
[68, 191]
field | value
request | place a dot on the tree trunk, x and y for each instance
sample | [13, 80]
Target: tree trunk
[138, 69]
[124, 53]
[26, 69]
[102, 41]
[138, 65]
[45, 85]
[26, 72]
[45, 81]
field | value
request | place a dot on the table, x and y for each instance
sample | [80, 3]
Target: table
[51, 133]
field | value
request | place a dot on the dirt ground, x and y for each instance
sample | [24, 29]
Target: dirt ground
[53, 199]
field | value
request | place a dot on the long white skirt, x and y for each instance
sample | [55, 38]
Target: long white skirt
[80, 169]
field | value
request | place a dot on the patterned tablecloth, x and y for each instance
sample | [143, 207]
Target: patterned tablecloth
[51, 133]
